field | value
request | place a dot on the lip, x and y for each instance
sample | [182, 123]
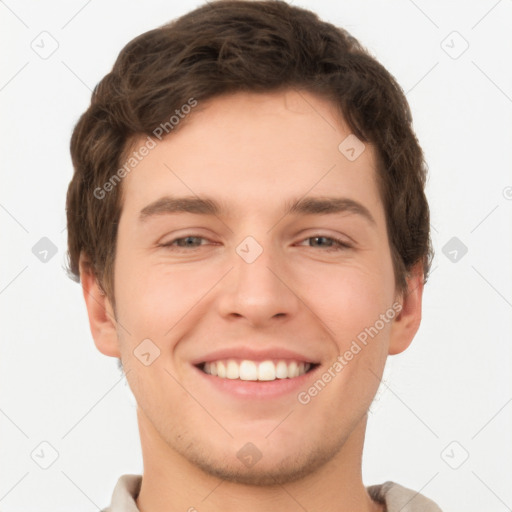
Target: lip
[241, 353]
[257, 390]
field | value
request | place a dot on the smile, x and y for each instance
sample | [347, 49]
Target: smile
[248, 370]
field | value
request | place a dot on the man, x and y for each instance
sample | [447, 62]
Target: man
[248, 221]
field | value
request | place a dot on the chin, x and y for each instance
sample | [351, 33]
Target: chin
[250, 466]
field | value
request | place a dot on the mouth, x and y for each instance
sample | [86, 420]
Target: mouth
[243, 372]
[256, 371]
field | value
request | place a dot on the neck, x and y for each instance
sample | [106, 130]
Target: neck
[170, 482]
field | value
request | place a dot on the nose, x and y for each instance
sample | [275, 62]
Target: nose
[259, 292]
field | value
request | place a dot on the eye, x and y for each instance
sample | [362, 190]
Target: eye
[186, 242]
[192, 242]
[334, 244]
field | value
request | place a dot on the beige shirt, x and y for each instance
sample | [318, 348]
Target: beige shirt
[394, 496]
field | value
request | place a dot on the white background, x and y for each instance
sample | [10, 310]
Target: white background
[452, 384]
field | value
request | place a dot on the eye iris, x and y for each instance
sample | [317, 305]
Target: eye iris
[320, 241]
[321, 238]
[183, 242]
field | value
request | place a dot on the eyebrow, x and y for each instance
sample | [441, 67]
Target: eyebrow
[207, 206]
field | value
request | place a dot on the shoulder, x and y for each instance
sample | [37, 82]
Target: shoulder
[124, 494]
[399, 498]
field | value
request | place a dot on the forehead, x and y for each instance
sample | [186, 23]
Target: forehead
[252, 149]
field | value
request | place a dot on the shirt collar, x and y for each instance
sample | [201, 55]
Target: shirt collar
[393, 496]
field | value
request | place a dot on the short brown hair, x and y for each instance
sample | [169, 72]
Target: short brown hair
[228, 46]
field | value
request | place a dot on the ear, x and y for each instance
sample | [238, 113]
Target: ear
[101, 314]
[407, 322]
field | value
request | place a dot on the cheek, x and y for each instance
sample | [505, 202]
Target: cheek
[350, 297]
[157, 301]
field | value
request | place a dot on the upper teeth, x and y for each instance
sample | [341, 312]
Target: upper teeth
[252, 370]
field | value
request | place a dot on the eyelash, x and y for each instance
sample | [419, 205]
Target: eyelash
[341, 244]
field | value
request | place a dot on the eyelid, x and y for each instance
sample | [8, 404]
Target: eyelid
[340, 237]
[339, 243]
[185, 233]
[191, 235]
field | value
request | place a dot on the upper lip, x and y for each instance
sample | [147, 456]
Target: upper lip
[254, 355]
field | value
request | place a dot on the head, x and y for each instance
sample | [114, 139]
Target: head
[250, 106]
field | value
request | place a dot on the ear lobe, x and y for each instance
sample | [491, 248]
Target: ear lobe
[101, 315]
[407, 322]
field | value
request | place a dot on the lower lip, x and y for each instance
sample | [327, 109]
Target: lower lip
[259, 389]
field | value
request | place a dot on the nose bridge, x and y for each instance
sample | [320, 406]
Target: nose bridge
[256, 290]
[253, 263]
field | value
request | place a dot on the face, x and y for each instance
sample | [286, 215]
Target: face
[252, 254]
